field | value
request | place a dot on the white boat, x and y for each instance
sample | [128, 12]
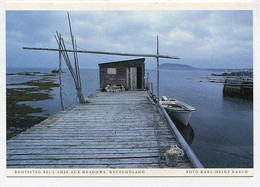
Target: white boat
[178, 110]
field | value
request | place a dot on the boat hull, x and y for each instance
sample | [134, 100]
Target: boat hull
[181, 117]
[177, 110]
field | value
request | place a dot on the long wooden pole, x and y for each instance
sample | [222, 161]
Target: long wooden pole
[73, 46]
[158, 77]
[74, 76]
[81, 97]
[67, 60]
[60, 77]
[77, 62]
[103, 53]
[73, 41]
[65, 56]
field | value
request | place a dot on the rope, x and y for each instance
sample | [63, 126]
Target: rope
[222, 136]
[92, 54]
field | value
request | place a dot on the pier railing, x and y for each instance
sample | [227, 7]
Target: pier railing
[191, 155]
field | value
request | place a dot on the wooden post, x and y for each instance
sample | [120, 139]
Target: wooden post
[147, 81]
[81, 97]
[60, 77]
[158, 80]
[79, 89]
[67, 60]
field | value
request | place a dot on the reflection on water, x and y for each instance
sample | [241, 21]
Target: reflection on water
[187, 132]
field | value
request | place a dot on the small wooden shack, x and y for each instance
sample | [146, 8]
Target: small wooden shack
[127, 73]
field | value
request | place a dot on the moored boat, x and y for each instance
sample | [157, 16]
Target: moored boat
[178, 110]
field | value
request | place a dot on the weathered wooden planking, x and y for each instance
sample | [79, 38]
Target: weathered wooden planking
[113, 130]
[90, 139]
[92, 146]
[87, 150]
[95, 132]
[83, 156]
[89, 136]
[94, 166]
[82, 166]
[89, 143]
[87, 161]
[78, 141]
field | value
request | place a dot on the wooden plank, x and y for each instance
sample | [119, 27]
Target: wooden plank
[119, 166]
[93, 146]
[100, 125]
[149, 160]
[98, 143]
[89, 134]
[83, 142]
[93, 138]
[94, 166]
[96, 131]
[90, 127]
[82, 156]
[23, 145]
[81, 151]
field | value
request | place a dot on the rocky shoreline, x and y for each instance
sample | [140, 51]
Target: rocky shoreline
[20, 115]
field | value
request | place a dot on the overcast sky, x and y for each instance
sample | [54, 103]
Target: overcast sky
[204, 39]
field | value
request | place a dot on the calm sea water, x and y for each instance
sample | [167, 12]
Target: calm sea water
[220, 131]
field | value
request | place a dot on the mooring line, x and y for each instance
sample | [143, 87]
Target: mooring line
[222, 136]
[224, 152]
[92, 54]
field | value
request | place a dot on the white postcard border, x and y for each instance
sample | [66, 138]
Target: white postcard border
[52, 5]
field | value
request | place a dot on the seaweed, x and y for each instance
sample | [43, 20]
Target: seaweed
[21, 116]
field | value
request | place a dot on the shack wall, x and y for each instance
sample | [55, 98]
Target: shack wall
[122, 69]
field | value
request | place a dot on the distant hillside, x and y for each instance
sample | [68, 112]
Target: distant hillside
[168, 66]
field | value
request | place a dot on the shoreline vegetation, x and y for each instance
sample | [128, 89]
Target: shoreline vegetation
[21, 116]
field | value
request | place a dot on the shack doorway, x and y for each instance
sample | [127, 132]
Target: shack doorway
[139, 77]
[133, 82]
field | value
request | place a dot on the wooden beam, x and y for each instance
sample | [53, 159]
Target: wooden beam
[158, 77]
[103, 53]
[60, 77]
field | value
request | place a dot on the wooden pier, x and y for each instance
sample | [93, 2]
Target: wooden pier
[112, 130]
[238, 88]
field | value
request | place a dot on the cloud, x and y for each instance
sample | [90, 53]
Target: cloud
[198, 37]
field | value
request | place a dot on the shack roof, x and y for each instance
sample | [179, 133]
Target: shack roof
[138, 60]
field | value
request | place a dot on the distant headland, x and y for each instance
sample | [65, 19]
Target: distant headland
[171, 66]
[174, 66]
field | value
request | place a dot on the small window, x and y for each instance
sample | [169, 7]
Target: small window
[111, 71]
